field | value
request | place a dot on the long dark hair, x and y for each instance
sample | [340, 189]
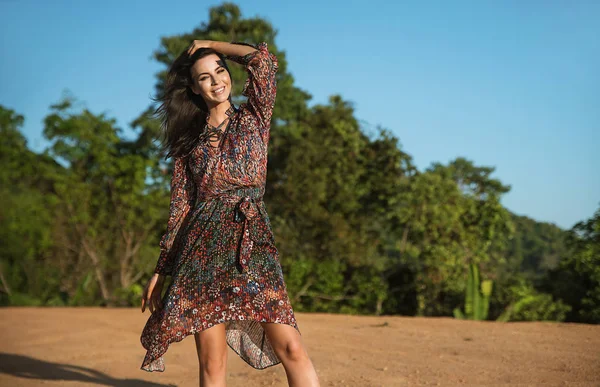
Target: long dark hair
[181, 112]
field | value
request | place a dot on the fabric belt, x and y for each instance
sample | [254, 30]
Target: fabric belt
[246, 211]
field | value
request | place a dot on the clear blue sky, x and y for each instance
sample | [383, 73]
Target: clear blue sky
[509, 84]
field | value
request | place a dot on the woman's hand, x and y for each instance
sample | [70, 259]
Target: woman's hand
[225, 48]
[196, 44]
[152, 292]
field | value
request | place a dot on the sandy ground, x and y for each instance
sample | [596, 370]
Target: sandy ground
[101, 347]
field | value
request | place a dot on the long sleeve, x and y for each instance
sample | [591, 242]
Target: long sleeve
[261, 84]
[183, 193]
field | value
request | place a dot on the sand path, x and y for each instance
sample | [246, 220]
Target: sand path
[101, 347]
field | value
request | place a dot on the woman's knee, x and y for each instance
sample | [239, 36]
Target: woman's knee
[286, 341]
[213, 363]
[294, 350]
[212, 349]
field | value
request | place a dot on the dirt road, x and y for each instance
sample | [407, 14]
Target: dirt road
[101, 347]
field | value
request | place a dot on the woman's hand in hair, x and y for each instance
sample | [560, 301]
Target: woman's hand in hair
[196, 44]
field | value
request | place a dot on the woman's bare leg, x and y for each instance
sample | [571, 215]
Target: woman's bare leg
[288, 346]
[212, 356]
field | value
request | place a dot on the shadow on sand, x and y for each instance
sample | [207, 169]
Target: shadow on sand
[30, 368]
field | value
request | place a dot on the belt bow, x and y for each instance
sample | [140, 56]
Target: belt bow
[246, 210]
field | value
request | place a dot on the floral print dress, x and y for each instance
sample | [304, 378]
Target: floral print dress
[219, 247]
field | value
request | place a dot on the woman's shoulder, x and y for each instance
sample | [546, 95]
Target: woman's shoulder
[246, 117]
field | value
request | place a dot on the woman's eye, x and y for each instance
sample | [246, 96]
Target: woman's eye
[221, 70]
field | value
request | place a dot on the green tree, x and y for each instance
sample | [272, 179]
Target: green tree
[318, 220]
[26, 277]
[576, 280]
[536, 247]
[456, 219]
[106, 209]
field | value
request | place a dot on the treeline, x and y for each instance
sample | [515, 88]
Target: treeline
[359, 229]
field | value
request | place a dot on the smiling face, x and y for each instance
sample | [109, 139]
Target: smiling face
[211, 80]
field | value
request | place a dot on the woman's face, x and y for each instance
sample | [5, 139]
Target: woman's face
[211, 80]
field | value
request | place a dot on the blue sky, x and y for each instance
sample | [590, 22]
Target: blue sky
[509, 84]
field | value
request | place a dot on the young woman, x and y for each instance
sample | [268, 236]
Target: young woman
[219, 249]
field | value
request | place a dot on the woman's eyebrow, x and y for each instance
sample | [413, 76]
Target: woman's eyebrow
[220, 65]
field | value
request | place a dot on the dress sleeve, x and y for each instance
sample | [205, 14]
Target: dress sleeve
[261, 85]
[183, 193]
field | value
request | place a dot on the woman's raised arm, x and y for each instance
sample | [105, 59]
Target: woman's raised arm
[261, 65]
[225, 48]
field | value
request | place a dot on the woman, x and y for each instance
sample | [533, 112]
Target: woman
[219, 249]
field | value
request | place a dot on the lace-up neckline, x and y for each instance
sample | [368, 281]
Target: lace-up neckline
[213, 134]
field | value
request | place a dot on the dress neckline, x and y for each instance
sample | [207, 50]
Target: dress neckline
[231, 110]
[210, 132]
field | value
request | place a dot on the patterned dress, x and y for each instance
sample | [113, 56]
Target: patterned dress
[219, 247]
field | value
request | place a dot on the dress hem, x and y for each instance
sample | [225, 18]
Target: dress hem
[247, 362]
[177, 339]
